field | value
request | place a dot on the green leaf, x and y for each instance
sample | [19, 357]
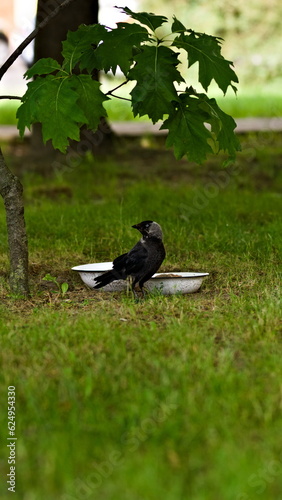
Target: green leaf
[187, 132]
[89, 61]
[49, 277]
[90, 99]
[155, 71]
[222, 125]
[81, 43]
[64, 288]
[206, 50]
[42, 67]
[65, 101]
[53, 102]
[60, 114]
[117, 47]
[177, 26]
[27, 113]
[151, 20]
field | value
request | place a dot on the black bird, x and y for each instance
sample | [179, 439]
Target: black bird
[141, 262]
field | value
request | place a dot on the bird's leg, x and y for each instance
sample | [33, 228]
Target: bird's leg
[134, 292]
[129, 284]
[130, 287]
[133, 283]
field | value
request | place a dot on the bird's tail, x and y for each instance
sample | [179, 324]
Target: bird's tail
[106, 278]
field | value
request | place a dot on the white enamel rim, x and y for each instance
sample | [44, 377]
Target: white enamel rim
[98, 266]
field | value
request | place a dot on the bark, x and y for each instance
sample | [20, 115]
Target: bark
[11, 191]
[48, 43]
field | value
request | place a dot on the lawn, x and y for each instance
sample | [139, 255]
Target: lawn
[255, 101]
[171, 398]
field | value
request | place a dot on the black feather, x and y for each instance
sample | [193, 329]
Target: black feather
[141, 262]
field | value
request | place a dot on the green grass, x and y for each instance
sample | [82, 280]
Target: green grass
[250, 101]
[174, 397]
[254, 102]
[247, 103]
[8, 111]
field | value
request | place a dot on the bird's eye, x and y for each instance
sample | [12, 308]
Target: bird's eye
[147, 225]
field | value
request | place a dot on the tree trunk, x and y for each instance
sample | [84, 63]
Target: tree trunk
[48, 43]
[11, 191]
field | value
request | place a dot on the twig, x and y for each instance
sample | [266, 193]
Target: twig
[118, 97]
[118, 87]
[31, 37]
[10, 97]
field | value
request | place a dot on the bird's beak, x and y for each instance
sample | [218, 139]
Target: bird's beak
[136, 226]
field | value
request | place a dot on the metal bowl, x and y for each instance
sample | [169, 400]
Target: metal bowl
[167, 283]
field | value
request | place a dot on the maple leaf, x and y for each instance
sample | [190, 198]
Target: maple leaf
[64, 101]
[187, 133]
[53, 102]
[117, 47]
[177, 26]
[90, 98]
[155, 71]
[43, 67]
[80, 44]
[222, 125]
[27, 111]
[206, 50]
[60, 114]
[149, 19]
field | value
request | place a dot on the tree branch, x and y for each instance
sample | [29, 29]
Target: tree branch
[118, 87]
[118, 97]
[30, 37]
[10, 97]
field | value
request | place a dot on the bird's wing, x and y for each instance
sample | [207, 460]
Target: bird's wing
[136, 258]
[131, 262]
[120, 261]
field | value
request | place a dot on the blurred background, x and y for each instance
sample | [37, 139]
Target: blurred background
[252, 40]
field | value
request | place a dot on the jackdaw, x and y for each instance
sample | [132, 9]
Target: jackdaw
[141, 262]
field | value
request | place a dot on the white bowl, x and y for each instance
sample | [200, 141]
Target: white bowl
[167, 283]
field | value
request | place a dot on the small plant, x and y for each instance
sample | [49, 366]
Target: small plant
[62, 287]
[65, 97]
